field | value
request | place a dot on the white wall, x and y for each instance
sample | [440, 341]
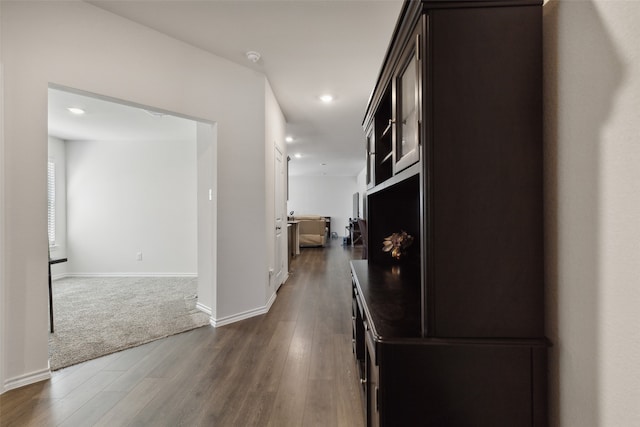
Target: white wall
[592, 150]
[323, 195]
[57, 154]
[123, 60]
[207, 142]
[126, 198]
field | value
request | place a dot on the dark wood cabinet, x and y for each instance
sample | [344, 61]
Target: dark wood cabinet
[411, 379]
[452, 334]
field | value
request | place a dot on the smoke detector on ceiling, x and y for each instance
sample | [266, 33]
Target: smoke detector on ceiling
[253, 56]
[154, 113]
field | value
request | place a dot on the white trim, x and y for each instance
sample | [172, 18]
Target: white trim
[107, 275]
[203, 308]
[244, 315]
[27, 379]
[129, 275]
[272, 299]
[3, 352]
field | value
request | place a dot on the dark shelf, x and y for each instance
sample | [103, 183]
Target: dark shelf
[391, 297]
[396, 179]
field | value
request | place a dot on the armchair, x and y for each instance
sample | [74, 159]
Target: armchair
[313, 230]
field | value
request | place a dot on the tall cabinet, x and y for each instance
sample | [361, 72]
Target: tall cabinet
[452, 333]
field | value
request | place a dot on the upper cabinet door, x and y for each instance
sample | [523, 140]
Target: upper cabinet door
[408, 96]
[370, 155]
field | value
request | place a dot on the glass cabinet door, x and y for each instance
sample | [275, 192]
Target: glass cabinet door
[408, 114]
[370, 147]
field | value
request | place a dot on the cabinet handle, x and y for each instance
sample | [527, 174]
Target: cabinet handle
[388, 128]
[363, 381]
[418, 47]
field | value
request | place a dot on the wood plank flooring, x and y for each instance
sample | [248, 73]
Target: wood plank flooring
[290, 367]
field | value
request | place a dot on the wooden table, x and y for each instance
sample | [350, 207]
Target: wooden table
[51, 262]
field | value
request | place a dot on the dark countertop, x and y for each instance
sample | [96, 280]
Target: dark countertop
[391, 298]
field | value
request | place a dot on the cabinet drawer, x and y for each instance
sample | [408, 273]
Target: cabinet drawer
[462, 385]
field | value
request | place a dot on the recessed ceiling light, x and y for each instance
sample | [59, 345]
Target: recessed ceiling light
[297, 155]
[326, 98]
[75, 110]
[289, 139]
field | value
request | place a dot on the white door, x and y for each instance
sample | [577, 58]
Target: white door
[280, 222]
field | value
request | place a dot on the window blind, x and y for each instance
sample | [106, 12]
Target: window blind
[51, 202]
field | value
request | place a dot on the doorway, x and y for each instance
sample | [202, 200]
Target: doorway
[131, 203]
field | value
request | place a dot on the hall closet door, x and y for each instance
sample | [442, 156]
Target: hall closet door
[280, 224]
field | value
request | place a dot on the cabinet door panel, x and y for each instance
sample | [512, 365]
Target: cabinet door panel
[456, 385]
[373, 417]
[407, 113]
[370, 156]
[486, 197]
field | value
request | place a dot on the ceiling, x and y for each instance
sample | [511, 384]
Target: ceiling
[307, 47]
[105, 120]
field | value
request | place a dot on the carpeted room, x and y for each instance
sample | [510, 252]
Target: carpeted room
[123, 212]
[95, 316]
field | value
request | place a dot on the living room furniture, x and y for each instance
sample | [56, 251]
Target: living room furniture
[293, 231]
[355, 236]
[362, 226]
[452, 333]
[312, 230]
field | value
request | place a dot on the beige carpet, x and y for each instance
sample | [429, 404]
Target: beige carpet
[98, 316]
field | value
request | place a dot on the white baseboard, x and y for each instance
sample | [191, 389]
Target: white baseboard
[27, 379]
[244, 315]
[272, 299]
[126, 275]
[203, 308]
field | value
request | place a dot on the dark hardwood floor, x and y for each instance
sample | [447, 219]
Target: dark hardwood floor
[290, 367]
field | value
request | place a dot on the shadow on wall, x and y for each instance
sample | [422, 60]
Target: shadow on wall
[581, 75]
